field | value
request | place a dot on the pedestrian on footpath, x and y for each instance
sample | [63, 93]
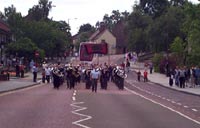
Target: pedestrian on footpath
[138, 75]
[47, 74]
[35, 70]
[145, 76]
[171, 80]
[43, 75]
[128, 65]
[151, 67]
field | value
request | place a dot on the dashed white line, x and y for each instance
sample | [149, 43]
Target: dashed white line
[179, 104]
[194, 110]
[168, 100]
[162, 105]
[173, 102]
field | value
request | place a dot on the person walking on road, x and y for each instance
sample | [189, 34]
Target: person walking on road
[95, 75]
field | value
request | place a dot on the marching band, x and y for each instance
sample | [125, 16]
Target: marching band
[72, 75]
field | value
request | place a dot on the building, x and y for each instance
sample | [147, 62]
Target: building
[104, 35]
[121, 35]
[5, 37]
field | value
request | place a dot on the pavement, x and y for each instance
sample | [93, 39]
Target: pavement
[163, 80]
[160, 79]
[16, 83]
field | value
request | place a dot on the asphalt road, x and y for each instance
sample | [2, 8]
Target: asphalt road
[38, 107]
[127, 109]
[140, 105]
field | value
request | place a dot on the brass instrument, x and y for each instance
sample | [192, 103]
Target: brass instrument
[120, 72]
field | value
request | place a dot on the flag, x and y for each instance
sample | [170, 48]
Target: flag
[84, 56]
[101, 48]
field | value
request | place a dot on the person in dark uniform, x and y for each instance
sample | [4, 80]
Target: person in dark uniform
[138, 75]
[72, 78]
[67, 77]
[17, 70]
[56, 79]
[87, 79]
[104, 78]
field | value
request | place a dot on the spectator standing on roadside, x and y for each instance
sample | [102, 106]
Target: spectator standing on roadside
[34, 70]
[31, 65]
[43, 75]
[138, 75]
[17, 70]
[151, 67]
[128, 65]
[48, 74]
[22, 68]
[182, 77]
[145, 76]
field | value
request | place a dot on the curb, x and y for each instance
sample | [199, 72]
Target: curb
[170, 87]
[175, 89]
[15, 89]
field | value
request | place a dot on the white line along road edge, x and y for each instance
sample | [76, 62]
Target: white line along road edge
[162, 105]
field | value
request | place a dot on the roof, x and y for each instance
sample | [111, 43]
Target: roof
[97, 34]
[4, 26]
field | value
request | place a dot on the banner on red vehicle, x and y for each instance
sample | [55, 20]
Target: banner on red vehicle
[84, 56]
[101, 48]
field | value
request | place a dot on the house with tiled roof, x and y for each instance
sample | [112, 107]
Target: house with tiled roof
[104, 35]
[5, 37]
[4, 32]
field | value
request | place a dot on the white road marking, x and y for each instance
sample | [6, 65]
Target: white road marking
[194, 110]
[179, 104]
[168, 100]
[162, 105]
[173, 102]
[74, 94]
[80, 108]
[185, 106]
[73, 98]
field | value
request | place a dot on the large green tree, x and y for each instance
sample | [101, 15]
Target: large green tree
[40, 11]
[154, 8]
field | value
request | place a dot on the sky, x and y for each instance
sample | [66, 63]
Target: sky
[75, 12]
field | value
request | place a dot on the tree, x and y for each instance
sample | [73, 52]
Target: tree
[192, 30]
[178, 48]
[15, 20]
[86, 28]
[40, 11]
[24, 47]
[137, 27]
[164, 29]
[154, 8]
[48, 37]
[177, 2]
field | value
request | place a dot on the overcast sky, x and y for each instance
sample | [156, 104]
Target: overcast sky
[76, 12]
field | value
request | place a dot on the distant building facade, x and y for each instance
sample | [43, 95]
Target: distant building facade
[5, 38]
[104, 35]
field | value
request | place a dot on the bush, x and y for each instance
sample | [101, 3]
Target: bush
[156, 61]
[160, 61]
